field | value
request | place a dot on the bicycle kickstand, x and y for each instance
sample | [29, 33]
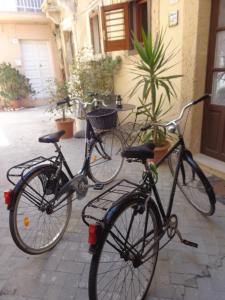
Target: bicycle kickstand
[186, 242]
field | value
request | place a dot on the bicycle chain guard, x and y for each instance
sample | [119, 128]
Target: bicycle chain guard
[172, 226]
[80, 185]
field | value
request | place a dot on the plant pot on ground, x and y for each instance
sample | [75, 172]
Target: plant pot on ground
[66, 125]
[14, 86]
[151, 70]
[15, 104]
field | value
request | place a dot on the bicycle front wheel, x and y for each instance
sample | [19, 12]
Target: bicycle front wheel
[194, 185]
[105, 160]
[35, 226]
[119, 269]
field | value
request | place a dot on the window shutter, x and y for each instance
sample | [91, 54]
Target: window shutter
[115, 24]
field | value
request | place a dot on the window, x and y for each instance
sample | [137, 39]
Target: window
[95, 33]
[120, 20]
[115, 24]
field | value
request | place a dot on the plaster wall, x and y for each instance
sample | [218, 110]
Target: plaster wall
[11, 34]
[188, 39]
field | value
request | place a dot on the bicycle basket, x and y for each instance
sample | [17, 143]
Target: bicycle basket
[103, 118]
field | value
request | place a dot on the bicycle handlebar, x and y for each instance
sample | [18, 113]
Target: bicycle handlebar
[206, 96]
[194, 102]
[78, 100]
[64, 101]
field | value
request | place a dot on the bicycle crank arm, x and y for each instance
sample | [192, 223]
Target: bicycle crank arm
[186, 242]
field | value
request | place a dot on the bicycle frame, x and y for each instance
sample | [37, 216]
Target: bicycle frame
[91, 137]
[165, 215]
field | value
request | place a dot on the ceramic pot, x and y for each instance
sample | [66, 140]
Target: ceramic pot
[159, 152]
[15, 104]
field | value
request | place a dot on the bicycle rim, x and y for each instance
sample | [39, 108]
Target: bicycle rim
[105, 160]
[33, 229]
[194, 186]
[115, 277]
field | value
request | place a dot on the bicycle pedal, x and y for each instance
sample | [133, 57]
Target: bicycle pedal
[98, 186]
[189, 243]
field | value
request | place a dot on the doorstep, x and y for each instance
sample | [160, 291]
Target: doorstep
[211, 165]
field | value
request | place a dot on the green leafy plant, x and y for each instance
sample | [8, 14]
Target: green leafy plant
[151, 77]
[58, 90]
[13, 84]
[89, 75]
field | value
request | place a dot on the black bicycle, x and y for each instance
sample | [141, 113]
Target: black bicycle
[125, 237]
[40, 203]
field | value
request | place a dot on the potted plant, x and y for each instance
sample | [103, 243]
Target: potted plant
[58, 91]
[14, 86]
[151, 70]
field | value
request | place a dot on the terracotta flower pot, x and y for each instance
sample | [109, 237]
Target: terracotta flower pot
[159, 152]
[67, 125]
[15, 104]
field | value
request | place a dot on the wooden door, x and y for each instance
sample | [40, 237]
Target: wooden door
[37, 66]
[213, 133]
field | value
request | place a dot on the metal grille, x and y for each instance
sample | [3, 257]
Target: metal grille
[29, 5]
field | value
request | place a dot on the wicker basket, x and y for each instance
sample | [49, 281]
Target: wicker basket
[103, 118]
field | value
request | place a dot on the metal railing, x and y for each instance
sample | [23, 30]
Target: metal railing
[29, 5]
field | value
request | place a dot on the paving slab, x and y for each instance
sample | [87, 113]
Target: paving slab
[181, 273]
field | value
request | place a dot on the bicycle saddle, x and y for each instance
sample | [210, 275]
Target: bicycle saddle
[52, 137]
[141, 152]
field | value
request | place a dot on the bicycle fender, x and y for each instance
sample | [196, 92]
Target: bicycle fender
[17, 188]
[122, 202]
[189, 158]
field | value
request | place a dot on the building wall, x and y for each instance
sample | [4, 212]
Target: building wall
[194, 56]
[10, 49]
[10, 35]
[189, 39]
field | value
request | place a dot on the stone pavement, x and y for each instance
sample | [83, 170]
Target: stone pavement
[182, 272]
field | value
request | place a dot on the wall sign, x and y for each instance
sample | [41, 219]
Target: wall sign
[173, 18]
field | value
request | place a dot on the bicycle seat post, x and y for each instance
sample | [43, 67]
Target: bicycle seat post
[58, 148]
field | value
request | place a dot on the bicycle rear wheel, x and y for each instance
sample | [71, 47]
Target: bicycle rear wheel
[105, 160]
[118, 268]
[194, 185]
[35, 226]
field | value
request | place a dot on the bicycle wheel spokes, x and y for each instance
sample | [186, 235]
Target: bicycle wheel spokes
[121, 274]
[37, 229]
[105, 158]
[194, 185]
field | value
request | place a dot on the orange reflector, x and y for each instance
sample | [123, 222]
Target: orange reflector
[94, 158]
[92, 237]
[26, 221]
[7, 196]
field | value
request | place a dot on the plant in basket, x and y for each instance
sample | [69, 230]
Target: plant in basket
[59, 91]
[151, 70]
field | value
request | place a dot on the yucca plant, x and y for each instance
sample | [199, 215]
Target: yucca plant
[152, 77]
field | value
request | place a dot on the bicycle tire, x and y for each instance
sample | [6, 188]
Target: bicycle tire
[104, 170]
[195, 187]
[104, 263]
[28, 233]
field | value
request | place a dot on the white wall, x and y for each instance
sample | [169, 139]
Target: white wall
[7, 5]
